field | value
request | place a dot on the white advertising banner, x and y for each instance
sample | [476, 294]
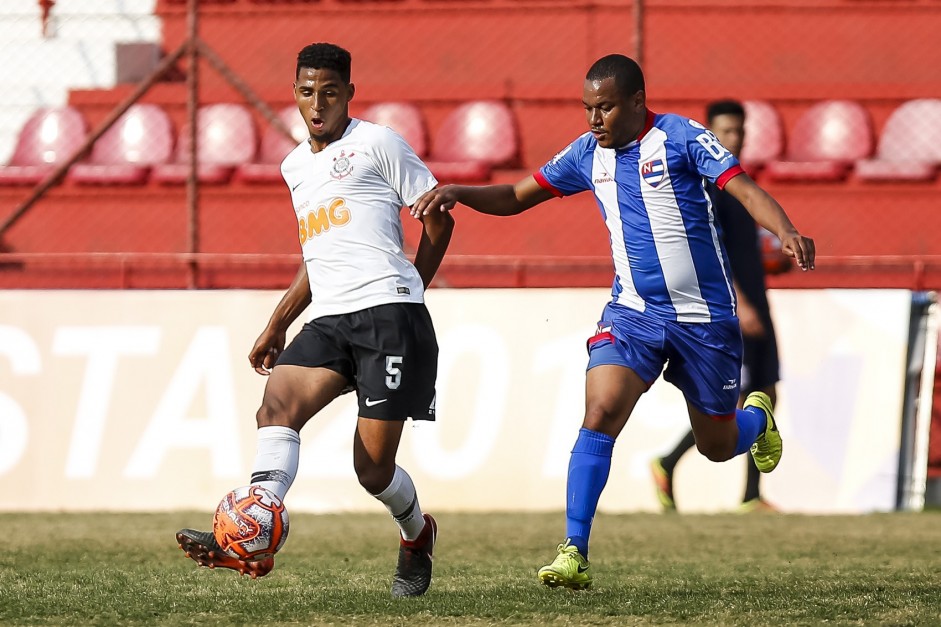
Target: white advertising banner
[144, 400]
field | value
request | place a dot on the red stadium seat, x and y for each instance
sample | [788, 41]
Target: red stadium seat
[473, 139]
[274, 148]
[764, 135]
[910, 144]
[827, 139]
[404, 118]
[225, 138]
[140, 138]
[49, 137]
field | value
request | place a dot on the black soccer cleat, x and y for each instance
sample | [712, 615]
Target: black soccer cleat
[413, 572]
[202, 548]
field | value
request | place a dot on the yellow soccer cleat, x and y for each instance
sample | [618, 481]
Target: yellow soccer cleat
[569, 569]
[663, 482]
[757, 506]
[766, 451]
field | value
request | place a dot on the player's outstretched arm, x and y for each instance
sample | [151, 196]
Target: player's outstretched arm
[437, 227]
[495, 200]
[271, 342]
[769, 214]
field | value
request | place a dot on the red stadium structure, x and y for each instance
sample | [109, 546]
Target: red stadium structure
[439, 58]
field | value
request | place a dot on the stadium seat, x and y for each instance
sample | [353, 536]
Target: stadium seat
[909, 146]
[140, 138]
[50, 136]
[225, 138]
[827, 139]
[473, 139]
[764, 135]
[274, 148]
[404, 118]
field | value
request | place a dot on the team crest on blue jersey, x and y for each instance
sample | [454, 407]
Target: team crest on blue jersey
[653, 172]
[342, 166]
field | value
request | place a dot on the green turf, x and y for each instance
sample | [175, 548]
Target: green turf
[756, 569]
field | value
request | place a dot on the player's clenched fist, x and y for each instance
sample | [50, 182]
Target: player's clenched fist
[265, 352]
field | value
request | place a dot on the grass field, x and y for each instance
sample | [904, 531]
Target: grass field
[758, 569]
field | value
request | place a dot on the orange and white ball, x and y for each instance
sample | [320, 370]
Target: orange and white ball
[250, 523]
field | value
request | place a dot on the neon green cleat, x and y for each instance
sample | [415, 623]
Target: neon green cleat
[569, 569]
[757, 506]
[766, 451]
[663, 481]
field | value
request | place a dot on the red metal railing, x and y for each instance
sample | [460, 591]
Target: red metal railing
[274, 271]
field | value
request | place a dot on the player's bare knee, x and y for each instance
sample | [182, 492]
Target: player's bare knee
[716, 451]
[372, 477]
[602, 419]
[272, 413]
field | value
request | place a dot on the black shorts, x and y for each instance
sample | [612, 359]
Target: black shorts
[389, 354]
[760, 368]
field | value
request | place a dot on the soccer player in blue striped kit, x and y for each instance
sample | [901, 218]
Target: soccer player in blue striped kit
[673, 302]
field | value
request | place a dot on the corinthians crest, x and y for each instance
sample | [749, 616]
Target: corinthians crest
[342, 167]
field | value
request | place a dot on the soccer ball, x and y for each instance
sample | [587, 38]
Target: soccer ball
[250, 523]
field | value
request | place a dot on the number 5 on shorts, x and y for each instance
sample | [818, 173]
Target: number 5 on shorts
[395, 374]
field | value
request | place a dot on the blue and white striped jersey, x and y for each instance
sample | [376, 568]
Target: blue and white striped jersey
[668, 257]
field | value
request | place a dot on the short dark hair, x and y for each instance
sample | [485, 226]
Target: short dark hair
[627, 75]
[322, 56]
[724, 107]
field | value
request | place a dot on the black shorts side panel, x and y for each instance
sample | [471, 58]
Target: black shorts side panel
[317, 346]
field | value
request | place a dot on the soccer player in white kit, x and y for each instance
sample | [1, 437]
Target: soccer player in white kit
[369, 330]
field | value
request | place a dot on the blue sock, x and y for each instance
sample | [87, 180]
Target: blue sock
[751, 423]
[589, 466]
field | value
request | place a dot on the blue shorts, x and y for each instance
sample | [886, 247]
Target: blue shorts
[704, 360]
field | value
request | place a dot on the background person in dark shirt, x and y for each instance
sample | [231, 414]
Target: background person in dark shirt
[726, 118]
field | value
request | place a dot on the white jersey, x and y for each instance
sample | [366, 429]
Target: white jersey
[348, 198]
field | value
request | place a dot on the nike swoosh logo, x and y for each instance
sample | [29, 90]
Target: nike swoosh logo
[582, 569]
[370, 403]
[296, 186]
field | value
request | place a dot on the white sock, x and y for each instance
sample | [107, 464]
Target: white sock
[276, 459]
[401, 500]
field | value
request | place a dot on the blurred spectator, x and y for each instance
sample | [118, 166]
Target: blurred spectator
[760, 372]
